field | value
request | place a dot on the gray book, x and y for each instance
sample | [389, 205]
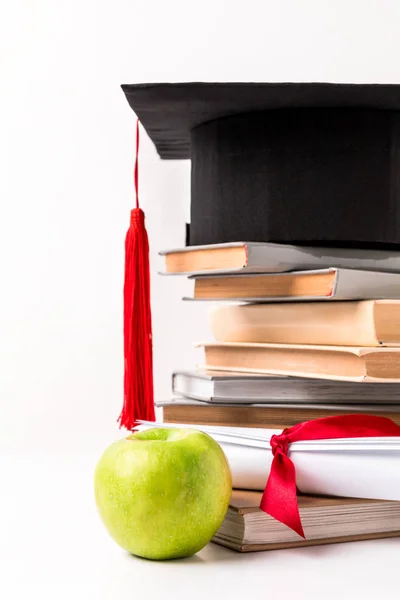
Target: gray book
[321, 285]
[254, 257]
[239, 388]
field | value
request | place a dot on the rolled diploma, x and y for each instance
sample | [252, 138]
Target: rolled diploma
[351, 473]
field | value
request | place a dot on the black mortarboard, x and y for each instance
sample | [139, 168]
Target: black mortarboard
[306, 163]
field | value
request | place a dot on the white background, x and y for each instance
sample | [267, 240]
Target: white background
[67, 139]
[66, 150]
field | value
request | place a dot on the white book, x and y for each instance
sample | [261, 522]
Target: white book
[350, 468]
[256, 257]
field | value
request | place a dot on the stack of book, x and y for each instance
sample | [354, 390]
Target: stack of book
[299, 334]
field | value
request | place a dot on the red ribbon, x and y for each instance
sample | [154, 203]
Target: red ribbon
[280, 495]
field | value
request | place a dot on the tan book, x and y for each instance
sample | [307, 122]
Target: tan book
[345, 363]
[256, 257]
[269, 416]
[365, 323]
[324, 284]
[325, 520]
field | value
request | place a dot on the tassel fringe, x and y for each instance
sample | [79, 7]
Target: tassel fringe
[138, 349]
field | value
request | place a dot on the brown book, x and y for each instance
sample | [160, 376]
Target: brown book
[266, 416]
[364, 323]
[324, 284]
[259, 257]
[318, 284]
[345, 363]
[325, 520]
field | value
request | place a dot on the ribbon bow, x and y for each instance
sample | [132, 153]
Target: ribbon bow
[280, 495]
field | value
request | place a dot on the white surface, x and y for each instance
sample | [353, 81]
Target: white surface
[54, 547]
[66, 153]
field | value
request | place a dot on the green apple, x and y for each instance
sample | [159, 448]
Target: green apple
[163, 493]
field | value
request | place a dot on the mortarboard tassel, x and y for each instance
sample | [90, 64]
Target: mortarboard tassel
[138, 352]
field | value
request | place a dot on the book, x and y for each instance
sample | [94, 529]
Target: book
[234, 387]
[267, 415]
[253, 257]
[326, 520]
[365, 323]
[324, 284]
[346, 363]
[352, 468]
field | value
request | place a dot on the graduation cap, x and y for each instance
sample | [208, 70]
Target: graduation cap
[302, 163]
[299, 163]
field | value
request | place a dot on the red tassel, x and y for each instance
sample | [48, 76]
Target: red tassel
[138, 351]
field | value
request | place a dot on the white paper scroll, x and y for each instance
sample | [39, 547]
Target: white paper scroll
[357, 468]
